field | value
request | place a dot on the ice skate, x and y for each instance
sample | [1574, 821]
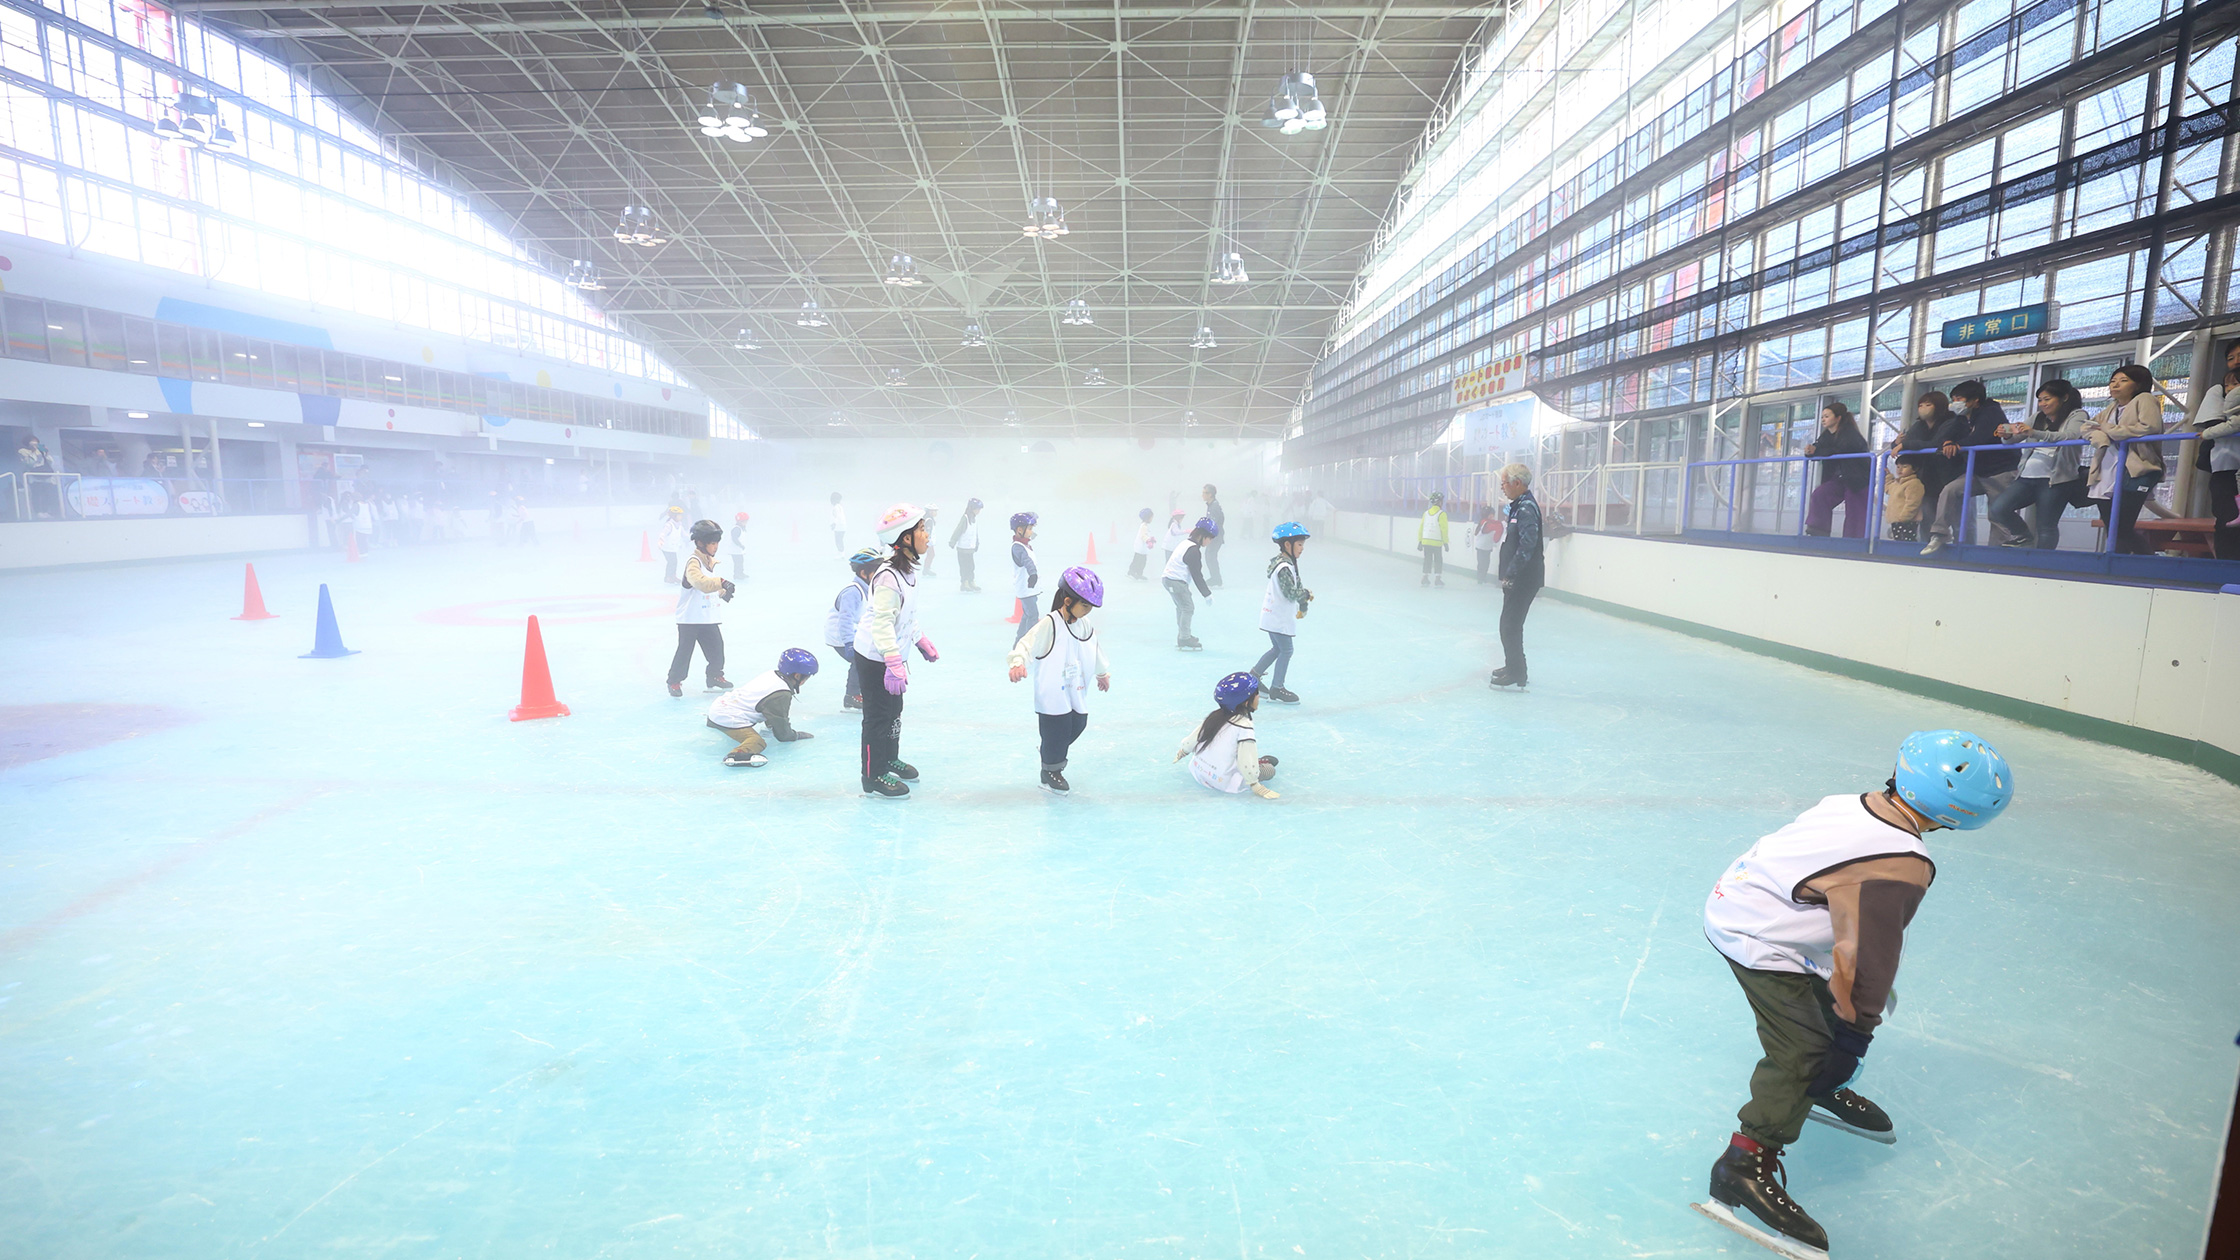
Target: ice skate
[1425, 581]
[1503, 678]
[1849, 1112]
[1054, 780]
[1749, 1177]
[750, 760]
[1283, 696]
[719, 683]
[886, 786]
[677, 690]
[1189, 645]
[852, 702]
[903, 770]
[1439, 581]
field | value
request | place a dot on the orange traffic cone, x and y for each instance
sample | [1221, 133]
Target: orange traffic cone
[1092, 548]
[350, 547]
[537, 700]
[645, 547]
[1016, 613]
[252, 599]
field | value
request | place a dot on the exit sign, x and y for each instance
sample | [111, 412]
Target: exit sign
[2022, 321]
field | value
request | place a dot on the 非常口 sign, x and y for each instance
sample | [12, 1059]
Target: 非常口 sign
[2022, 321]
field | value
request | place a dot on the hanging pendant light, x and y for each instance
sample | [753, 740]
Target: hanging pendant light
[896, 378]
[1297, 105]
[635, 227]
[1095, 379]
[811, 316]
[1045, 219]
[729, 114]
[1189, 419]
[1204, 340]
[1231, 270]
[583, 274]
[745, 339]
[1077, 314]
[1011, 419]
[974, 338]
[902, 271]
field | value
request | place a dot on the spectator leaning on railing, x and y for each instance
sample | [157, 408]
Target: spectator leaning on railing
[1918, 461]
[1842, 481]
[1979, 421]
[2048, 480]
[2120, 488]
[2218, 421]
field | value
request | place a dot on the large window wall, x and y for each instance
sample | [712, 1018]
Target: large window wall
[1790, 195]
[311, 205]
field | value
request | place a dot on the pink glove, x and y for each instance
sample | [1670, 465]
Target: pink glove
[898, 675]
[926, 650]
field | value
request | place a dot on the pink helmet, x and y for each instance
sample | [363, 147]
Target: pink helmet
[899, 520]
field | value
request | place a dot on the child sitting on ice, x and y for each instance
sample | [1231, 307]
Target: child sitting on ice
[1223, 754]
[764, 700]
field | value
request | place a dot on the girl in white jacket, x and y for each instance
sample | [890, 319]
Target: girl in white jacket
[1222, 752]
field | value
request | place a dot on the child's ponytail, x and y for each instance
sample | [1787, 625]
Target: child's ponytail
[1212, 727]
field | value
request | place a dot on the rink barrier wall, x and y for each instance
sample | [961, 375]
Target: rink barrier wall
[31, 545]
[2152, 669]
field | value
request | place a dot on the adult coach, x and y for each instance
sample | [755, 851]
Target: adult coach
[1524, 570]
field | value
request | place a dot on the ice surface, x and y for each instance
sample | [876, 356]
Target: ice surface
[347, 964]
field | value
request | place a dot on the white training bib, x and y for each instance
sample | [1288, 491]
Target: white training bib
[847, 609]
[1178, 564]
[696, 607]
[1061, 675]
[905, 618]
[735, 709]
[1277, 614]
[1753, 915]
[1215, 765]
[1021, 586]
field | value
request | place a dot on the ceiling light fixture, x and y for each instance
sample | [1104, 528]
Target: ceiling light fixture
[1046, 220]
[635, 227]
[1077, 314]
[974, 338]
[583, 274]
[1011, 418]
[1095, 379]
[896, 378]
[194, 122]
[902, 272]
[1296, 105]
[811, 316]
[1231, 270]
[1204, 340]
[745, 339]
[1189, 419]
[729, 114]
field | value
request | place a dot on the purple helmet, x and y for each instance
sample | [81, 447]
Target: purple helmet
[1235, 691]
[797, 661]
[1086, 584]
[1021, 520]
[1206, 526]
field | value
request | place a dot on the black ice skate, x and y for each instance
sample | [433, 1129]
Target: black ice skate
[677, 690]
[1283, 696]
[1749, 1177]
[750, 760]
[852, 702]
[903, 770]
[1189, 645]
[1503, 678]
[1849, 1112]
[887, 786]
[1054, 780]
[719, 683]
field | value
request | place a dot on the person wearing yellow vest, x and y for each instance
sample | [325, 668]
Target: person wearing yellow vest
[1431, 535]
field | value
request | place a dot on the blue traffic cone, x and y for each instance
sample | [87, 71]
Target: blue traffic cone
[329, 642]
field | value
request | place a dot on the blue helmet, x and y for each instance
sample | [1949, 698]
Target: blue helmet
[1291, 529]
[1954, 778]
[1144, 515]
[973, 505]
[1236, 691]
[868, 558]
[1023, 520]
[1206, 526]
[797, 661]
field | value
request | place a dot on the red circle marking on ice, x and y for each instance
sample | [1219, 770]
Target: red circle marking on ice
[552, 610]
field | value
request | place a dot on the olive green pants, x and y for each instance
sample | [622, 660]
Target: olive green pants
[1794, 1012]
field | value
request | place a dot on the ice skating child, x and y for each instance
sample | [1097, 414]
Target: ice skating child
[700, 599]
[847, 611]
[1222, 752]
[737, 546]
[763, 700]
[1063, 654]
[839, 524]
[1025, 578]
[1812, 920]
[1431, 535]
[1145, 542]
[524, 525]
[933, 531]
[1283, 607]
[1184, 568]
[965, 541]
[1178, 528]
[1485, 539]
[883, 637]
[669, 541]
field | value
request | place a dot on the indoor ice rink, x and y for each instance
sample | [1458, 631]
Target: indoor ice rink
[1550, 628]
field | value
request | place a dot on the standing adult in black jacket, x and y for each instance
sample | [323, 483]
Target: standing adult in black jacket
[1842, 481]
[1979, 421]
[1524, 570]
[1220, 521]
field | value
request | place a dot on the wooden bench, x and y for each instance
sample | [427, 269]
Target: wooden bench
[2186, 535]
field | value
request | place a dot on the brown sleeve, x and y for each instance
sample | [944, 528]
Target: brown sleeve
[1869, 905]
[697, 573]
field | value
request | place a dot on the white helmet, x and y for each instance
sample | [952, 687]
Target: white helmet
[899, 520]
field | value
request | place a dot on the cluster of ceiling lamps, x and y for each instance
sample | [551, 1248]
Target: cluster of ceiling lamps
[635, 227]
[974, 337]
[811, 316]
[896, 378]
[1204, 340]
[1095, 379]
[1231, 269]
[194, 122]
[745, 339]
[1077, 314]
[1296, 105]
[902, 272]
[583, 274]
[1046, 219]
[729, 114]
